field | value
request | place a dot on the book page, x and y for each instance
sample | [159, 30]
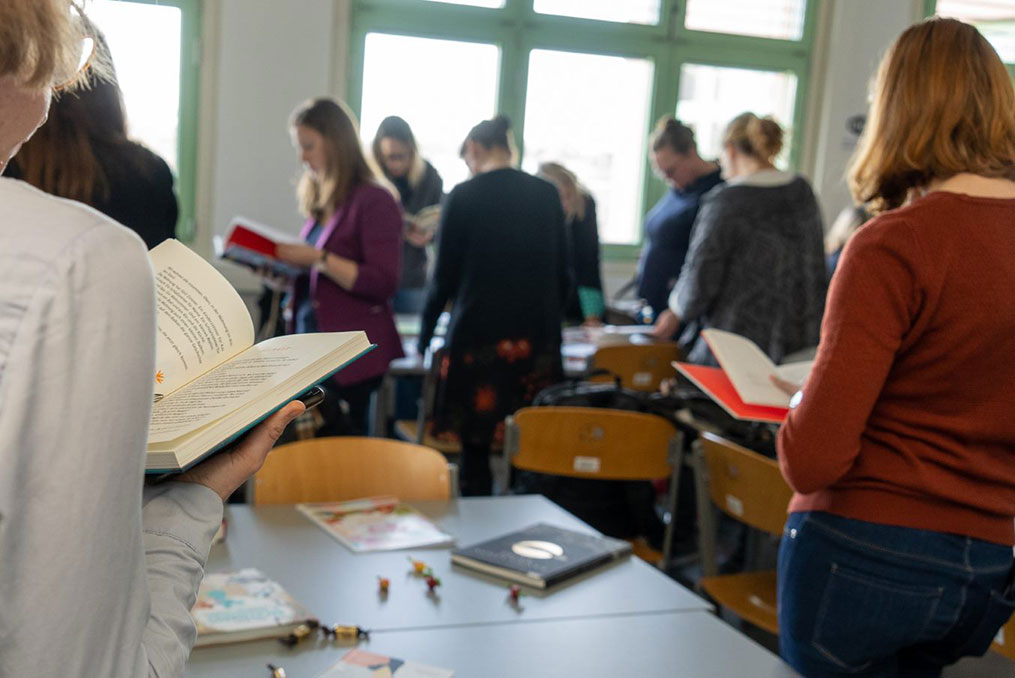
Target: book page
[747, 367]
[243, 379]
[202, 321]
[795, 372]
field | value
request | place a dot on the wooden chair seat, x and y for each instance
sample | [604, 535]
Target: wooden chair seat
[752, 595]
[339, 469]
[408, 430]
[1004, 644]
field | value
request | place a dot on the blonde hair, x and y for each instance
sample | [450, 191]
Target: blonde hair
[759, 138]
[347, 164]
[943, 104]
[562, 176]
[39, 39]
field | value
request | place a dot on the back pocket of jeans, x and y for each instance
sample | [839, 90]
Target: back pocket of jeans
[866, 617]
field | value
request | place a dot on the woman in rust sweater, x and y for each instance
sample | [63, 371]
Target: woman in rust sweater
[897, 554]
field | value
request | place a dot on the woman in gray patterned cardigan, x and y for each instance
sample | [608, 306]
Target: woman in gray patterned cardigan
[755, 265]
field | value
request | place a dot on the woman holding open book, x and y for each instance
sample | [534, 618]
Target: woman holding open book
[896, 558]
[97, 574]
[352, 254]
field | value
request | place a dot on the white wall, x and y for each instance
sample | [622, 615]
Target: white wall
[265, 57]
[858, 34]
[262, 57]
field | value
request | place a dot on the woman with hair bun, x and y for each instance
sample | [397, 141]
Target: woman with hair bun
[502, 264]
[896, 558]
[674, 155]
[756, 263]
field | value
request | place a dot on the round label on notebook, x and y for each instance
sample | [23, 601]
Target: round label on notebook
[540, 550]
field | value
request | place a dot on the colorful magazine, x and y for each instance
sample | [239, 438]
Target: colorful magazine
[244, 605]
[362, 664]
[375, 524]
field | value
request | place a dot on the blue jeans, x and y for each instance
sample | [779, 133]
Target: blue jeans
[864, 599]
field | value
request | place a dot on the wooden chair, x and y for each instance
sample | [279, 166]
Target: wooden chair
[641, 367]
[587, 442]
[337, 469]
[1004, 644]
[749, 488]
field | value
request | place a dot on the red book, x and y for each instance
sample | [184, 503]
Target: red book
[252, 245]
[714, 382]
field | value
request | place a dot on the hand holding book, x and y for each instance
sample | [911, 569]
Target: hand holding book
[226, 472]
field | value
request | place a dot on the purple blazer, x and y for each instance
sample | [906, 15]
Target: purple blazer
[367, 228]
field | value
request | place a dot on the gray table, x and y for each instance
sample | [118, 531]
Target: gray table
[341, 587]
[691, 644]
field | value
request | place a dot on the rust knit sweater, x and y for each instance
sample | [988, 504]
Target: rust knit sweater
[908, 417]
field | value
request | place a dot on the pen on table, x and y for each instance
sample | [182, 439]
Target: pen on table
[276, 671]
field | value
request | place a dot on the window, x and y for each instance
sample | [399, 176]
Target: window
[582, 81]
[442, 91]
[994, 18]
[711, 96]
[571, 100]
[148, 42]
[779, 19]
[628, 11]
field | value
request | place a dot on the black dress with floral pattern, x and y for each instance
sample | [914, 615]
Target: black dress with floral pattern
[502, 264]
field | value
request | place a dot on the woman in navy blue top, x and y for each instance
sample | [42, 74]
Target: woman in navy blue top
[668, 224]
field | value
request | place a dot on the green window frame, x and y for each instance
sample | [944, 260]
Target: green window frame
[930, 9]
[190, 87]
[517, 29]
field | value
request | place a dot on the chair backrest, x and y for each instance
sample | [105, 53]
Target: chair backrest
[588, 442]
[641, 367]
[338, 469]
[746, 485]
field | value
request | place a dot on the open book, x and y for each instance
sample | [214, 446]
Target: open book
[741, 384]
[251, 244]
[211, 382]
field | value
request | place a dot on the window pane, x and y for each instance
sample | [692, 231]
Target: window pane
[711, 96]
[590, 113]
[474, 3]
[780, 19]
[442, 91]
[994, 18]
[145, 43]
[629, 11]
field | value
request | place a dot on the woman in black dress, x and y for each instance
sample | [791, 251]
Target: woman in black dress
[502, 264]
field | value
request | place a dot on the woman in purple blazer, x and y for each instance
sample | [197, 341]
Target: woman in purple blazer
[353, 254]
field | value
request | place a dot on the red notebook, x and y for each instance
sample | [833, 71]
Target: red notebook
[252, 245]
[714, 382]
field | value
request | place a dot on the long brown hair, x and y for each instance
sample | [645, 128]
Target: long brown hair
[943, 104]
[60, 158]
[346, 164]
[394, 127]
